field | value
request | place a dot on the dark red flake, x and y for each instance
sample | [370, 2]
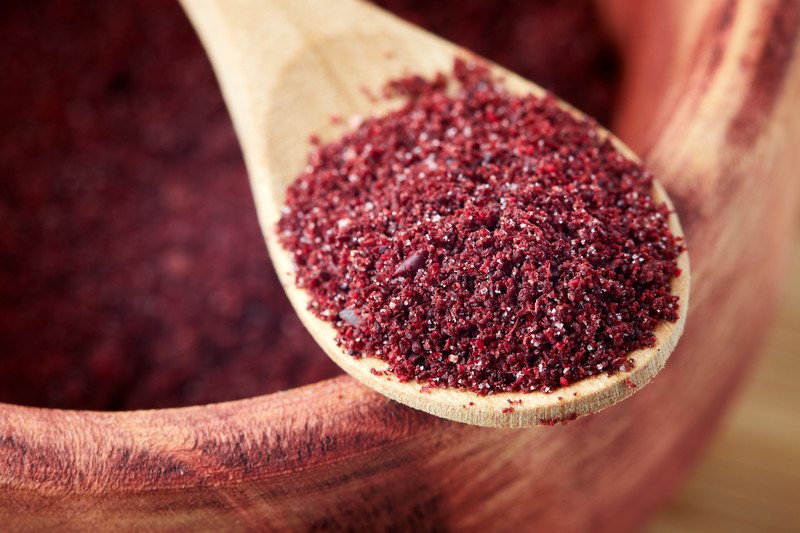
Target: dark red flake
[554, 421]
[412, 264]
[537, 253]
[350, 316]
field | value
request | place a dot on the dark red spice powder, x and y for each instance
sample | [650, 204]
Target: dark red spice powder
[132, 270]
[133, 273]
[482, 240]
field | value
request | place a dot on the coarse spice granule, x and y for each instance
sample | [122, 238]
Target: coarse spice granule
[483, 240]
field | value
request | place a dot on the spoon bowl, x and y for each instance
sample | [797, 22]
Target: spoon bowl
[285, 67]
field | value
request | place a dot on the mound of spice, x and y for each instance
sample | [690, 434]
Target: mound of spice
[482, 240]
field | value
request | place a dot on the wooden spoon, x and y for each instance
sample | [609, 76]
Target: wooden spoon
[285, 66]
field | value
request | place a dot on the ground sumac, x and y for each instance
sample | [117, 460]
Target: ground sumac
[482, 240]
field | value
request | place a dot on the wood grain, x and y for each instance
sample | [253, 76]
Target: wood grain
[336, 456]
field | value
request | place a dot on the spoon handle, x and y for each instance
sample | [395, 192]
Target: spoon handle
[251, 43]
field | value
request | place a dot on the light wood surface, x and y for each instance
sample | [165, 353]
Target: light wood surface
[276, 107]
[749, 480]
[719, 129]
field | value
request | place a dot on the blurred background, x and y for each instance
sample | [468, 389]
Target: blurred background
[749, 478]
[132, 269]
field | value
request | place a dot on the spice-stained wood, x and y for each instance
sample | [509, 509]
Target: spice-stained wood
[710, 100]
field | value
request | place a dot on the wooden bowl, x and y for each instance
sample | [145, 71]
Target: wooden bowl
[710, 99]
